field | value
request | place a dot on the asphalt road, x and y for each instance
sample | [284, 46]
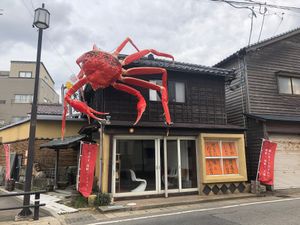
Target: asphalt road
[279, 211]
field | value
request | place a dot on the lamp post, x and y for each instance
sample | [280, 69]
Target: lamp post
[41, 21]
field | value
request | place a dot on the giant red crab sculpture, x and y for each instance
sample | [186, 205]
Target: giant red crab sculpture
[101, 69]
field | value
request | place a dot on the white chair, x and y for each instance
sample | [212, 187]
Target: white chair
[143, 183]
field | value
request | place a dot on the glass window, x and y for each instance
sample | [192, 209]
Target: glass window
[2, 101]
[25, 74]
[23, 99]
[180, 92]
[284, 84]
[289, 85]
[221, 157]
[296, 86]
[176, 91]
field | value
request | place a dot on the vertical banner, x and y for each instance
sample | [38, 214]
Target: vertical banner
[266, 165]
[7, 161]
[87, 168]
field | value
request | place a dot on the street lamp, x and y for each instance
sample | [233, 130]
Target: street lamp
[41, 21]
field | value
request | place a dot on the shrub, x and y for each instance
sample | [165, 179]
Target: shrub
[80, 202]
[102, 199]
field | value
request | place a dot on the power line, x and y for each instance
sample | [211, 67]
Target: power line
[249, 3]
[51, 43]
[251, 27]
[262, 23]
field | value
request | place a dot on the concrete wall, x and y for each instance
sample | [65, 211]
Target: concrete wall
[12, 85]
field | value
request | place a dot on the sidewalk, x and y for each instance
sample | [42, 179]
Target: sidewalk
[9, 215]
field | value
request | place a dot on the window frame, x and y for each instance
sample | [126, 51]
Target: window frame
[221, 157]
[291, 78]
[171, 81]
[241, 159]
[25, 72]
[22, 102]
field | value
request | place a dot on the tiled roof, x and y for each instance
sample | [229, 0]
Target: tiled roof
[183, 67]
[261, 44]
[49, 109]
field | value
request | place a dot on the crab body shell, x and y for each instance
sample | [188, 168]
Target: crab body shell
[101, 69]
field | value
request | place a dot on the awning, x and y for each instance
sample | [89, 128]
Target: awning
[68, 142]
[274, 117]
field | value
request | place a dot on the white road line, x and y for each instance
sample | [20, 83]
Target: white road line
[194, 210]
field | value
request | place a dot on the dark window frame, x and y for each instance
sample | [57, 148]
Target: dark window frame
[171, 84]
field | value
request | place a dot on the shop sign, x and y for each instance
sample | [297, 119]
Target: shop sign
[87, 168]
[7, 161]
[266, 165]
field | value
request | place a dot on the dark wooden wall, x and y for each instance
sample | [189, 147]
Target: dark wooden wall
[205, 101]
[255, 133]
[236, 94]
[263, 87]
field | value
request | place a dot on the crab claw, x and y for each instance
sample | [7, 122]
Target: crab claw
[80, 107]
[85, 109]
[141, 106]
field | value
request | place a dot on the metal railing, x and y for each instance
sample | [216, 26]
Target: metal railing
[36, 204]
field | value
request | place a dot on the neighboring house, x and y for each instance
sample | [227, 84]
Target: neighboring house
[265, 98]
[48, 127]
[200, 152]
[16, 90]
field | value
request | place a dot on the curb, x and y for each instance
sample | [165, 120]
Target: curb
[124, 208]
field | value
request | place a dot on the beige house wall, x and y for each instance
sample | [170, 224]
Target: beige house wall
[12, 85]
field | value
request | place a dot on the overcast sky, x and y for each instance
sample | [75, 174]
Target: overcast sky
[193, 31]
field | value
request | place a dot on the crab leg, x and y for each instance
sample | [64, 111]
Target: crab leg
[141, 105]
[135, 56]
[123, 44]
[161, 89]
[77, 105]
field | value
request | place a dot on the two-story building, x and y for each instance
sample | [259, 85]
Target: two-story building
[265, 98]
[200, 152]
[16, 90]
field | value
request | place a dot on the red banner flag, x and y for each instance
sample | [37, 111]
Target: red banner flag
[266, 166]
[7, 160]
[87, 167]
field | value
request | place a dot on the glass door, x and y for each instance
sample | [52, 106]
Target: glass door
[181, 165]
[172, 165]
[134, 166]
[139, 165]
[188, 165]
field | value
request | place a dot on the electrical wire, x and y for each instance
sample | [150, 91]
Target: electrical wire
[28, 10]
[248, 3]
[262, 23]
[251, 28]
[281, 19]
[50, 41]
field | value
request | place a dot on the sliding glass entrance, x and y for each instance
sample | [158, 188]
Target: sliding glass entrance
[139, 165]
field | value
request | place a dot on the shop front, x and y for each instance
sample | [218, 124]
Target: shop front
[160, 165]
[144, 165]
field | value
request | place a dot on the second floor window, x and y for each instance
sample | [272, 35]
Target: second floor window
[25, 74]
[176, 91]
[23, 98]
[289, 85]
